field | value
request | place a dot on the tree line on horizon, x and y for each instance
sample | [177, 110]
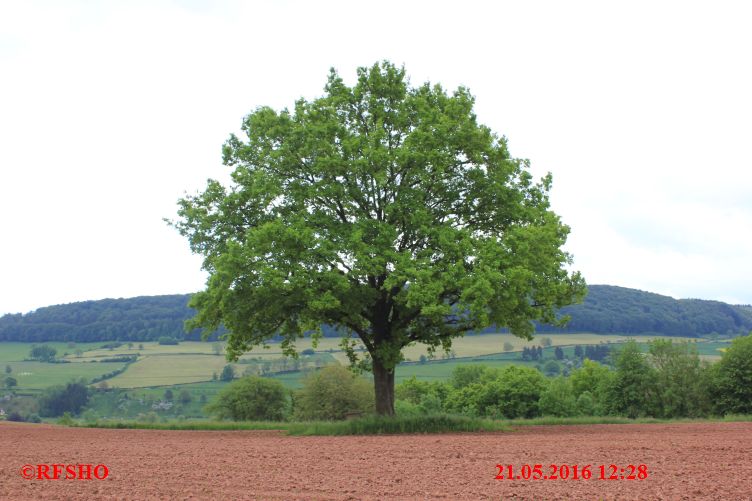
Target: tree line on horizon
[606, 310]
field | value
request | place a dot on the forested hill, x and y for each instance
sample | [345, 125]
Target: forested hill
[607, 309]
[611, 309]
[143, 318]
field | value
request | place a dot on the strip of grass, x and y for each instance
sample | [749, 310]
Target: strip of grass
[187, 425]
[585, 420]
[369, 425]
[375, 425]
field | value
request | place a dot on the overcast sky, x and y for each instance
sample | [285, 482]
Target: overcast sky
[111, 111]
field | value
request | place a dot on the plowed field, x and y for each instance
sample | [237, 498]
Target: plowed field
[692, 461]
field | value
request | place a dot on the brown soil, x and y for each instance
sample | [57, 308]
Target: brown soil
[691, 461]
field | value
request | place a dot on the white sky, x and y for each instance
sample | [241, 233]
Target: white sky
[110, 111]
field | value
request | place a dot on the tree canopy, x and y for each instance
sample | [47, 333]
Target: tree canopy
[382, 209]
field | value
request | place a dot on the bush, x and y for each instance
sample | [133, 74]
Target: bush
[632, 391]
[185, 397]
[43, 353]
[228, 373]
[57, 400]
[420, 397]
[682, 389]
[167, 340]
[551, 368]
[512, 392]
[412, 390]
[332, 393]
[586, 405]
[251, 399]
[404, 408]
[66, 420]
[121, 359]
[465, 375]
[732, 378]
[558, 399]
[15, 416]
[594, 379]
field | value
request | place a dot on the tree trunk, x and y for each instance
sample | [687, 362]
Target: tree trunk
[383, 381]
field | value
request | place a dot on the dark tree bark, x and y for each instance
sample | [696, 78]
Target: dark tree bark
[383, 380]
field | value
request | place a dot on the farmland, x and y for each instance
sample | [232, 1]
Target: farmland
[196, 362]
[176, 465]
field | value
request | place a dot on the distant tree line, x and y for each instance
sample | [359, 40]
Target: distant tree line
[619, 310]
[606, 309]
[146, 318]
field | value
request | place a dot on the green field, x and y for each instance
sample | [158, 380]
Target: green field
[161, 370]
[38, 375]
[442, 370]
[11, 351]
[195, 362]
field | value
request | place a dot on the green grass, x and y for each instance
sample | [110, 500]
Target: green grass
[38, 375]
[441, 370]
[167, 370]
[586, 420]
[370, 425]
[375, 425]
[186, 425]
[16, 352]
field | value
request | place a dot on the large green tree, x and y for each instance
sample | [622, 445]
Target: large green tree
[382, 209]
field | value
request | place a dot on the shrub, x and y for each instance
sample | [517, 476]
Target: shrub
[404, 408]
[185, 397]
[43, 353]
[682, 388]
[465, 375]
[594, 379]
[732, 378]
[586, 405]
[66, 420]
[227, 373]
[167, 340]
[251, 399]
[332, 393]
[412, 390]
[15, 416]
[421, 397]
[551, 368]
[557, 399]
[632, 391]
[57, 400]
[512, 392]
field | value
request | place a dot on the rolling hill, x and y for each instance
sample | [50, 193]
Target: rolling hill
[606, 310]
